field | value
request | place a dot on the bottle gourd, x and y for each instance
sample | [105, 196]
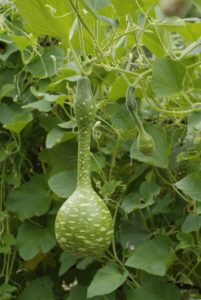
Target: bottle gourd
[84, 225]
[145, 142]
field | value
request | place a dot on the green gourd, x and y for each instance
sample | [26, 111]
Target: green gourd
[145, 142]
[84, 225]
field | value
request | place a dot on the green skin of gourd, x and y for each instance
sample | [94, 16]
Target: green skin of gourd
[145, 142]
[84, 225]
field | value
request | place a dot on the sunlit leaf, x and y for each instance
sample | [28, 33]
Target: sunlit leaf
[168, 76]
[48, 17]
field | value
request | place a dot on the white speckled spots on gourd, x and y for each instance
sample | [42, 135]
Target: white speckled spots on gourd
[91, 234]
[84, 224]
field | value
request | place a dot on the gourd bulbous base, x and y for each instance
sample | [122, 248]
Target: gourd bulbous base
[84, 224]
[145, 143]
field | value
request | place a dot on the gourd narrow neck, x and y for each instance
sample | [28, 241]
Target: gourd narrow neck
[85, 110]
[132, 108]
[83, 176]
[138, 122]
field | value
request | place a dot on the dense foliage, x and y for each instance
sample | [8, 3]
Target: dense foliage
[155, 199]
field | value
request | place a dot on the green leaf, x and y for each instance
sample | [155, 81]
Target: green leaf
[191, 223]
[30, 199]
[61, 157]
[47, 64]
[6, 113]
[67, 260]
[6, 90]
[197, 2]
[119, 116]
[78, 293]
[167, 77]
[63, 184]
[46, 17]
[40, 288]
[148, 190]
[107, 20]
[109, 187]
[33, 239]
[162, 149]
[41, 105]
[6, 291]
[3, 155]
[6, 77]
[18, 123]
[154, 256]
[133, 233]
[118, 89]
[57, 136]
[13, 119]
[10, 49]
[106, 280]
[156, 290]
[133, 201]
[128, 7]
[7, 241]
[190, 185]
[95, 5]
[163, 204]
[186, 240]
[84, 263]
[194, 122]
[22, 42]
[156, 39]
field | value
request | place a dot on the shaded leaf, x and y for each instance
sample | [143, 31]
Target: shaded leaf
[30, 199]
[67, 260]
[191, 223]
[6, 291]
[38, 289]
[63, 184]
[132, 233]
[155, 290]
[32, 239]
[186, 240]
[48, 63]
[154, 256]
[106, 280]
[84, 263]
[57, 136]
[191, 186]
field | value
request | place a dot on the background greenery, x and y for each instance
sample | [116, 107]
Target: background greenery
[45, 46]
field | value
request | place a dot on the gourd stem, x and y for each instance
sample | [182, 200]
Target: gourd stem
[83, 175]
[138, 122]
